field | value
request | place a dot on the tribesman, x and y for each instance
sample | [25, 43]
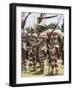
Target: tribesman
[52, 44]
[40, 53]
[53, 52]
[24, 51]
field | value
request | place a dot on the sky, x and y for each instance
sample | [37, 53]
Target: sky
[32, 19]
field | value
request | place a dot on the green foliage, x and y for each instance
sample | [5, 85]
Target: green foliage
[52, 25]
[30, 30]
[62, 27]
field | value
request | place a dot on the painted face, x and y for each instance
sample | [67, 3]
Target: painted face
[54, 39]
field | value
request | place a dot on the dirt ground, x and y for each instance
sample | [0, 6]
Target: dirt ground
[47, 70]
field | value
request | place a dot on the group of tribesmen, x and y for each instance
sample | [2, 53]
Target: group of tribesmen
[36, 49]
